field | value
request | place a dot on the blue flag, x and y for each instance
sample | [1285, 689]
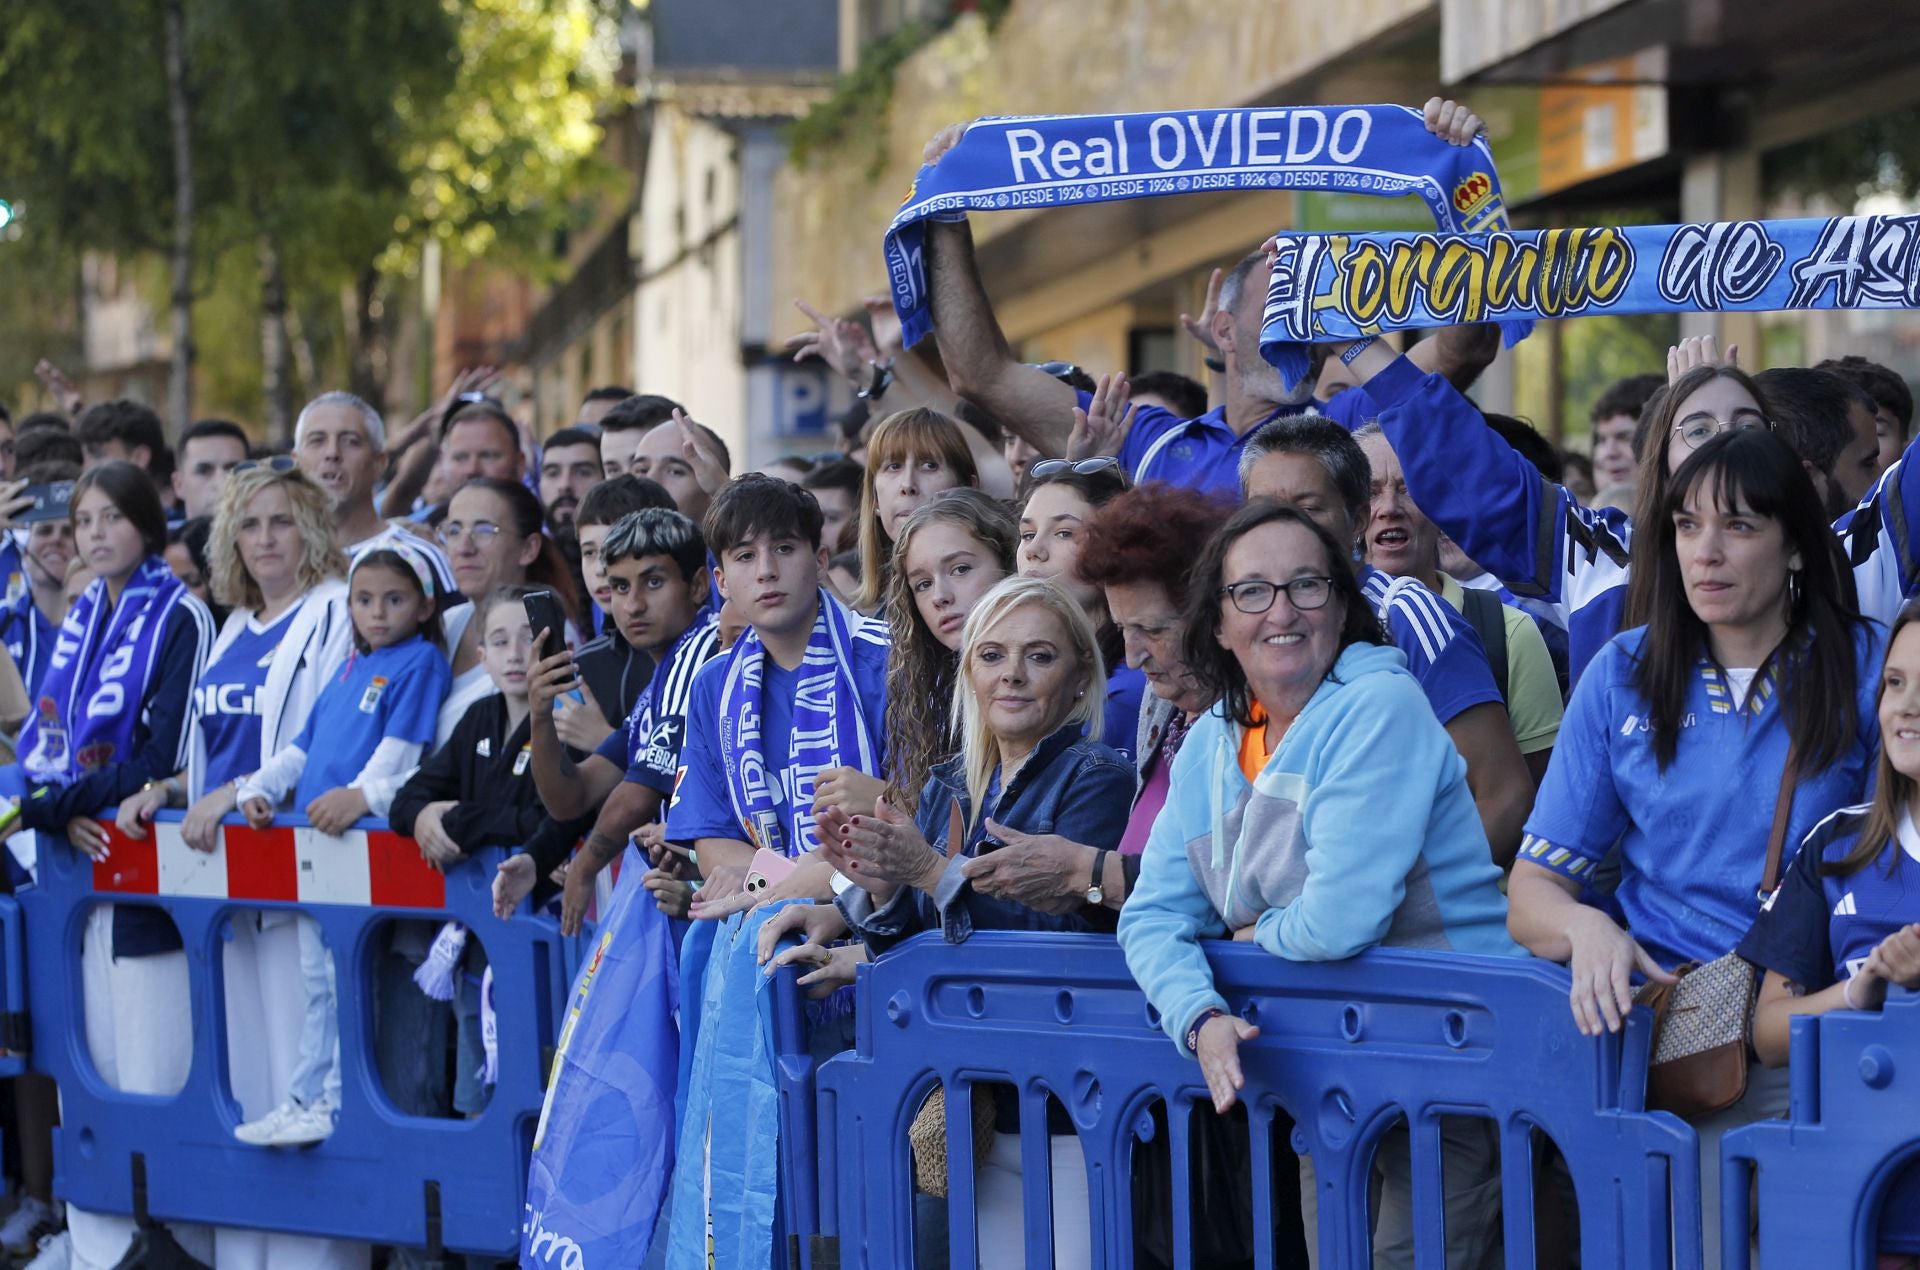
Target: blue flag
[1328, 287]
[1067, 160]
[603, 1154]
[728, 1179]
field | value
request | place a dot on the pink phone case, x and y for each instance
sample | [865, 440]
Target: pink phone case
[767, 868]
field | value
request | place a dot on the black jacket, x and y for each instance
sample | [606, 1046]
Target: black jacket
[497, 806]
[616, 671]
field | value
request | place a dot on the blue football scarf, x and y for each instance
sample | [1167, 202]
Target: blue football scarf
[1340, 286]
[728, 1176]
[829, 730]
[1068, 160]
[603, 1153]
[91, 700]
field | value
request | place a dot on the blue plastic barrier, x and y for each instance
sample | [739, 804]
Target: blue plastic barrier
[1823, 1172]
[383, 1177]
[1345, 1048]
[794, 1070]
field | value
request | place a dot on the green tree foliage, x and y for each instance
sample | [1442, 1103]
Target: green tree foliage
[347, 133]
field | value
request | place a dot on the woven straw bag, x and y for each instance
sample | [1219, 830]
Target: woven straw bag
[928, 1138]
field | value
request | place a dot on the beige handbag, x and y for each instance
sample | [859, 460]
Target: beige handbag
[928, 1138]
[1701, 1024]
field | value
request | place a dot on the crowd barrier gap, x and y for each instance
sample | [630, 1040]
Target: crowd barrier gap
[384, 1176]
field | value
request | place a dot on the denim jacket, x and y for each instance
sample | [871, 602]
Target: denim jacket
[1070, 786]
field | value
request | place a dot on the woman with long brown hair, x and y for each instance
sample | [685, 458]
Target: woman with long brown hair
[949, 553]
[1755, 673]
[911, 456]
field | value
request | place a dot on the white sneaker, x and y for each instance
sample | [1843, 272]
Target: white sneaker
[56, 1253]
[289, 1125]
[23, 1230]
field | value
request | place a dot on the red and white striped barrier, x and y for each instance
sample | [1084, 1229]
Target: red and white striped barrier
[293, 865]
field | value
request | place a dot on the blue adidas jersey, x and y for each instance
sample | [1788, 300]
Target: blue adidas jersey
[1442, 651]
[1531, 534]
[1692, 837]
[1203, 453]
[1818, 930]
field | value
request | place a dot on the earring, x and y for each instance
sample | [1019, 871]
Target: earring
[1793, 588]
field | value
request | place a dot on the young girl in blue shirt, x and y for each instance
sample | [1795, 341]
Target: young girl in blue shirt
[1845, 923]
[377, 716]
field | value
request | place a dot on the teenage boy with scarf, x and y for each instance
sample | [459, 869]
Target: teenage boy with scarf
[1202, 452]
[655, 562]
[802, 691]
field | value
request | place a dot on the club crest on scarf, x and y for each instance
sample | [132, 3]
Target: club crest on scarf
[1067, 160]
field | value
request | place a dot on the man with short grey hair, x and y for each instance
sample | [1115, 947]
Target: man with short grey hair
[340, 441]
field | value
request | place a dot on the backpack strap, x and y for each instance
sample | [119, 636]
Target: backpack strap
[1486, 614]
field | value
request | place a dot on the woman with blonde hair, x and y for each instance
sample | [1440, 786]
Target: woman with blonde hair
[911, 456]
[272, 557]
[1030, 679]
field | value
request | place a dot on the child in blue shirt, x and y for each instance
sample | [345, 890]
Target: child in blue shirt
[376, 717]
[1845, 923]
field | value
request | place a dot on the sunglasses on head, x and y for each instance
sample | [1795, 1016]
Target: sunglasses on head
[273, 463]
[1046, 468]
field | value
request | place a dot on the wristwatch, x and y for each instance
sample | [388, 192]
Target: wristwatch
[881, 381]
[1094, 894]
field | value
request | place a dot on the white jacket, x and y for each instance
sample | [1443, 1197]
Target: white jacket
[318, 639]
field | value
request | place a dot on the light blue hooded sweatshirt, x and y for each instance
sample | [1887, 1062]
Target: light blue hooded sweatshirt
[1360, 831]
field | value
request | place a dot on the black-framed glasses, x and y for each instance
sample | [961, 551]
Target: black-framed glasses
[1698, 429]
[273, 463]
[1305, 593]
[1079, 467]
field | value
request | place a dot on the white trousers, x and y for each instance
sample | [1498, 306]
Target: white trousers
[267, 1008]
[1000, 1230]
[135, 1007]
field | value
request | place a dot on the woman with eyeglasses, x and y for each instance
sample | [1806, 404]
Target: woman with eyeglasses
[1060, 496]
[493, 538]
[1318, 809]
[911, 456]
[1753, 682]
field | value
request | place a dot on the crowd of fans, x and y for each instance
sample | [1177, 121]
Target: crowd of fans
[1324, 669]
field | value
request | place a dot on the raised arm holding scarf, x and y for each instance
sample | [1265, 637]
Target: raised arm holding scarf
[1066, 160]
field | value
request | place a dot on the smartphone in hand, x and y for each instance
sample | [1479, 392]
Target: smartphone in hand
[51, 501]
[767, 868]
[543, 614]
